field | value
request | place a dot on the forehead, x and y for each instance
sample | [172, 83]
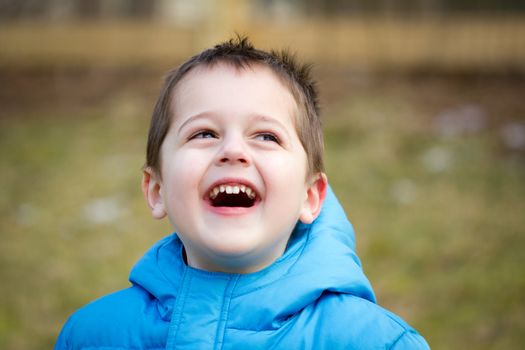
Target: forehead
[253, 88]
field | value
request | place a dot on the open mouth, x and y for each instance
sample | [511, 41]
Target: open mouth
[234, 195]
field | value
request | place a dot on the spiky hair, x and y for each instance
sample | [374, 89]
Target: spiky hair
[240, 53]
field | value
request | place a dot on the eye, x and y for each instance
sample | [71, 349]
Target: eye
[266, 136]
[203, 134]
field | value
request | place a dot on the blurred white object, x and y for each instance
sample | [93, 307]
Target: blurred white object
[27, 214]
[404, 191]
[437, 159]
[513, 135]
[465, 119]
[103, 210]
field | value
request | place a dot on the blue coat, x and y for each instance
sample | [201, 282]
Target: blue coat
[315, 296]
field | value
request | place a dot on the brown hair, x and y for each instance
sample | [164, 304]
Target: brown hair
[240, 53]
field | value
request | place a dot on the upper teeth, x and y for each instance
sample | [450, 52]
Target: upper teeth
[229, 189]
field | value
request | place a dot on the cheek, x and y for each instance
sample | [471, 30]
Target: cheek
[296, 163]
[182, 173]
[280, 170]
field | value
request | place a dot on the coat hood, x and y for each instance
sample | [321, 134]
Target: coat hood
[315, 296]
[320, 258]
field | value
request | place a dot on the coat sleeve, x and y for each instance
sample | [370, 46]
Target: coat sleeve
[410, 340]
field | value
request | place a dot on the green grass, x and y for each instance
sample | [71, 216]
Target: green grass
[442, 246]
[448, 254]
[53, 258]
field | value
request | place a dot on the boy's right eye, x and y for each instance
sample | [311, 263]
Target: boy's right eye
[203, 134]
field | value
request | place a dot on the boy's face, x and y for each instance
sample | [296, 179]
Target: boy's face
[233, 131]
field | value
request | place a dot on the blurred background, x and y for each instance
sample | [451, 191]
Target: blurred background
[424, 115]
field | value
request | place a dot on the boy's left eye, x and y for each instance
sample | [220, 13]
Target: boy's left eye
[204, 134]
[267, 137]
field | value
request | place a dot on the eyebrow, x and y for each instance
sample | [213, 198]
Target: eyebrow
[266, 119]
[193, 118]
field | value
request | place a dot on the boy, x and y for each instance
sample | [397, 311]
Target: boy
[234, 160]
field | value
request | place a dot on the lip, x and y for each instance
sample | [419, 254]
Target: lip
[231, 211]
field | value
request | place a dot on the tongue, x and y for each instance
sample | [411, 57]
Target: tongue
[232, 200]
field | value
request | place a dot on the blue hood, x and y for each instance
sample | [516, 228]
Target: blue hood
[328, 262]
[314, 297]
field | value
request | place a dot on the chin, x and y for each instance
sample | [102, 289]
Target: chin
[234, 247]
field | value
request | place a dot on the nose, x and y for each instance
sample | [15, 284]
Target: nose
[233, 151]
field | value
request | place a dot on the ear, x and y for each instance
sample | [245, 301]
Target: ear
[151, 188]
[315, 196]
